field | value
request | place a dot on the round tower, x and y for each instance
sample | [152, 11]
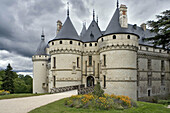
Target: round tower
[40, 61]
[65, 50]
[118, 57]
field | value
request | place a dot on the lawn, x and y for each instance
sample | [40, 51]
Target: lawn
[143, 107]
[18, 95]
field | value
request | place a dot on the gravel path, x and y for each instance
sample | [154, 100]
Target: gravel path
[26, 104]
[168, 106]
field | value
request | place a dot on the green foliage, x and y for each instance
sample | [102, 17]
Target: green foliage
[14, 83]
[162, 29]
[164, 102]
[2, 75]
[25, 82]
[8, 80]
[98, 91]
[20, 86]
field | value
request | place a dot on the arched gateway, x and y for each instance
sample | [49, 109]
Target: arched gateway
[90, 81]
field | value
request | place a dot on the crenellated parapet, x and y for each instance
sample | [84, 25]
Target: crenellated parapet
[118, 42]
[40, 57]
[65, 46]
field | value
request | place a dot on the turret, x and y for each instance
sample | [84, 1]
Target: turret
[118, 54]
[65, 50]
[40, 60]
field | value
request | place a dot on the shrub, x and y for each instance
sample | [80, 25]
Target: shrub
[98, 91]
[164, 102]
[3, 92]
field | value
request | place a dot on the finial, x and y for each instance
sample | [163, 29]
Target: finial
[42, 35]
[117, 3]
[97, 19]
[93, 14]
[68, 9]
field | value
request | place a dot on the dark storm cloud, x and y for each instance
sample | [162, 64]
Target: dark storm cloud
[19, 25]
[21, 22]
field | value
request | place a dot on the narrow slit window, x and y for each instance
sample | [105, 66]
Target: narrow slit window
[90, 60]
[78, 62]
[54, 62]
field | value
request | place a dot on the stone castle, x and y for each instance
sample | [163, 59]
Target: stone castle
[118, 58]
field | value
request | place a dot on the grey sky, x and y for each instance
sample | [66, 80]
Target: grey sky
[21, 22]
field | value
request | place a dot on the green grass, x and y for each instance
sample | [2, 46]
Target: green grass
[143, 107]
[18, 95]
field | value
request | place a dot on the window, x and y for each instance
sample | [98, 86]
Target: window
[149, 64]
[52, 43]
[104, 80]
[85, 45]
[146, 48]
[54, 79]
[71, 42]
[128, 36]
[114, 36]
[162, 79]
[61, 42]
[102, 39]
[78, 62]
[54, 62]
[90, 44]
[149, 80]
[162, 65]
[79, 43]
[104, 60]
[90, 60]
[160, 50]
[149, 93]
[95, 44]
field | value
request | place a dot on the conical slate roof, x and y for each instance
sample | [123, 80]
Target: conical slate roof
[114, 25]
[83, 31]
[92, 33]
[41, 48]
[67, 31]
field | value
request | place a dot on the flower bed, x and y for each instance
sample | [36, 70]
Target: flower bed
[3, 92]
[105, 102]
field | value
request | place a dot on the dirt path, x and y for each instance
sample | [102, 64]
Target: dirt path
[26, 104]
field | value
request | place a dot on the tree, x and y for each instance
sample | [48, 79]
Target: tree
[8, 80]
[162, 29]
[23, 84]
[98, 91]
[2, 75]
[20, 86]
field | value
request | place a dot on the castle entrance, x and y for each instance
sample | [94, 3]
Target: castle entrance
[90, 81]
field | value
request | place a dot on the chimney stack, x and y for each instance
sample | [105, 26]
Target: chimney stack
[123, 16]
[59, 25]
[143, 26]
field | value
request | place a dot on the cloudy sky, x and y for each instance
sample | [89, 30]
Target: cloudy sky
[21, 22]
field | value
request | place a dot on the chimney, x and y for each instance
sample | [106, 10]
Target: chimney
[59, 25]
[143, 26]
[123, 16]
